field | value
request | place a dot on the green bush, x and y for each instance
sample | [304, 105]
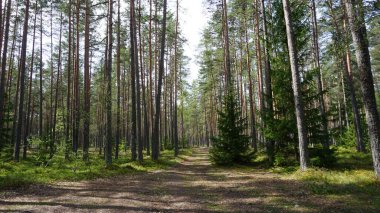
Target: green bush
[322, 157]
[231, 145]
[42, 156]
[285, 158]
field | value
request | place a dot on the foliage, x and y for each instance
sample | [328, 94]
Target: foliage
[42, 155]
[231, 145]
[320, 157]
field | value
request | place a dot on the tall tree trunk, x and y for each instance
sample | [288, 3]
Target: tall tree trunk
[27, 128]
[50, 126]
[58, 78]
[268, 82]
[250, 91]
[227, 62]
[87, 83]
[68, 102]
[138, 95]
[133, 79]
[347, 74]
[258, 63]
[360, 147]
[176, 149]
[300, 116]
[155, 139]
[22, 85]
[41, 132]
[3, 65]
[1, 26]
[76, 112]
[317, 65]
[118, 83]
[356, 20]
[150, 77]
[108, 150]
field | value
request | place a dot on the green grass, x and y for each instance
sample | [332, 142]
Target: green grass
[351, 176]
[16, 174]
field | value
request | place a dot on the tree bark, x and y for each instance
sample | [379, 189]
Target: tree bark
[22, 83]
[356, 20]
[87, 83]
[300, 116]
[117, 142]
[3, 64]
[108, 150]
[133, 79]
[175, 127]
[155, 139]
[322, 111]
[26, 131]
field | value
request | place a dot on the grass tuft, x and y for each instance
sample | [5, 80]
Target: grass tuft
[26, 172]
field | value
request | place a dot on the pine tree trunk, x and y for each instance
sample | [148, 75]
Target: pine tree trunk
[356, 20]
[58, 78]
[108, 148]
[155, 139]
[68, 102]
[27, 128]
[227, 61]
[22, 84]
[50, 126]
[250, 91]
[87, 83]
[133, 80]
[150, 78]
[118, 83]
[300, 116]
[3, 65]
[360, 147]
[175, 127]
[41, 132]
[76, 113]
[317, 65]
[138, 95]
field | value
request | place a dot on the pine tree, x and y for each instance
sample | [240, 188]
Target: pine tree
[231, 145]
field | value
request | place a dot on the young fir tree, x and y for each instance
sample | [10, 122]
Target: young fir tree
[231, 145]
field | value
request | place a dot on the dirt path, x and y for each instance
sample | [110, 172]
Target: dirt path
[191, 186]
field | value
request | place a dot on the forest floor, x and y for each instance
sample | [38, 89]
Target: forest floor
[193, 185]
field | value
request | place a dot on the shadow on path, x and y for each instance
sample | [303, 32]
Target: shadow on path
[191, 186]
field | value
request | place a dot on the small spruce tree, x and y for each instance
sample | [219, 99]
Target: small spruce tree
[231, 145]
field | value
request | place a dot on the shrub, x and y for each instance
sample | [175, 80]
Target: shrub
[322, 157]
[231, 145]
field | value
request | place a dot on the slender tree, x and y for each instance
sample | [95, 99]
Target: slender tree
[27, 127]
[4, 63]
[155, 139]
[175, 127]
[22, 83]
[138, 91]
[57, 86]
[68, 98]
[117, 141]
[87, 83]
[41, 132]
[300, 115]
[108, 104]
[317, 65]
[355, 13]
[133, 79]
